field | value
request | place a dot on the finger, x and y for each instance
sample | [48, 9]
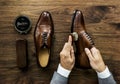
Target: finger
[68, 44]
[87, 51]
[72, 53]
[61, 54]
[98, 53]
[64, 45]
[94, 52]
[67, 47]
[70, 40]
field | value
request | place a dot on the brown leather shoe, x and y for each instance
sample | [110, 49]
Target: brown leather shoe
[43, 38]
[83, 41]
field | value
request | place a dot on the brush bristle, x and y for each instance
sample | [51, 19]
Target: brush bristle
[75, 36]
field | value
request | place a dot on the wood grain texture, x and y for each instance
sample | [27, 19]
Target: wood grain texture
[102, 20]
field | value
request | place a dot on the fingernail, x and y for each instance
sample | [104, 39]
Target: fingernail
[86, 49]
[70, 36]
[93, 48]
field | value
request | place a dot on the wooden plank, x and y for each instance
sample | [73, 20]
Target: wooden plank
[93, 23]
[102, 22]
[58, 2]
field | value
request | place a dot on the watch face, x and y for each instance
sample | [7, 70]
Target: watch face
[22, 24]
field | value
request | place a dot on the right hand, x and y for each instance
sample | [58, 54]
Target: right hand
[67, 58]
[96, 60]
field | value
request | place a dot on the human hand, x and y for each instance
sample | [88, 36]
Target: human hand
[96, 60]
[67, 58]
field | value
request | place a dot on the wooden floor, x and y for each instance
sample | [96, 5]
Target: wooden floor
[102, 20]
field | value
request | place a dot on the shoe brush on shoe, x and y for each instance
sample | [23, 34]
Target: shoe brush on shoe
[75, 36]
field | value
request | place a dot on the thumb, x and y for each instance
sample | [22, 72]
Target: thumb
[87, 51]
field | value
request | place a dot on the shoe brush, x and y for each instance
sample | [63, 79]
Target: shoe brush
[74, 36]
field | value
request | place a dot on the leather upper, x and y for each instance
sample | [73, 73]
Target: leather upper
[84, 40]
[44, 31]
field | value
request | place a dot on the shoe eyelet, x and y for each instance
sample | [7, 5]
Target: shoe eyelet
[44, 38]
[89, 38]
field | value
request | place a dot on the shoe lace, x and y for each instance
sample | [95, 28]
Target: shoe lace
[88, 37]
[44, 38]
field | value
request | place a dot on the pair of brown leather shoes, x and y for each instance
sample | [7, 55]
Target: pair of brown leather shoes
[43, 39]
[82, 40]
